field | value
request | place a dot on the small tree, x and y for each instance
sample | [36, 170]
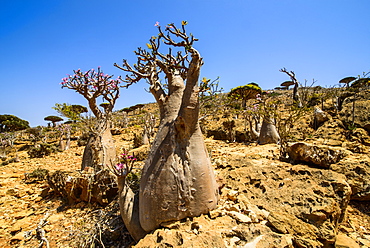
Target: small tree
[286, 84]
[53, 119]
[293, 79]
[7, 141]
[177, 178]
[72, 112]
[361, 83]
[64, 131]
[100, 150]
[245, 92]
[209, 97]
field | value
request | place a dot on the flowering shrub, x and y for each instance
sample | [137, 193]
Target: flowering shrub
[124, 170]
[93, 84]
[94, 81]
[125, 165]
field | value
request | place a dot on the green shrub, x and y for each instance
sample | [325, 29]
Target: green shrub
[42, 150]
[133, 179]
[37, 175]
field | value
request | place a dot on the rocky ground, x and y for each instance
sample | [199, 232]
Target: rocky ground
[254, 186]
[264, 202]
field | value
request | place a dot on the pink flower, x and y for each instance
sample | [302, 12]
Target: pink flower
[120, 166]
[156, 24]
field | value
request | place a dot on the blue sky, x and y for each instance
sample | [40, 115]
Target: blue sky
[241, 41]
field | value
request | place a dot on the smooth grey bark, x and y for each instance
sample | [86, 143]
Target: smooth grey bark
[177, 179]
[129, 208]
[100, 150]
[268, 133]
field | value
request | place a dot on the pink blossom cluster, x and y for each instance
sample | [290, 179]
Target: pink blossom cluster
[128, 157]
[120, 166]
[125, 165]
[91, 80]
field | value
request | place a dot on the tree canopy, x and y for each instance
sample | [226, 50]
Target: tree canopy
[10, 123]
[245, 92]
[53, 119]
[72, 112]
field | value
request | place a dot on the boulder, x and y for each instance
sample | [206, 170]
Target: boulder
[343, 241]
[320, 156]
[319, 117]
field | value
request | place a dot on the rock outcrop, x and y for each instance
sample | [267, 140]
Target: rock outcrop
[319, 117]
[314, 198]
[320, 156]
[264, 204]
[357, 173]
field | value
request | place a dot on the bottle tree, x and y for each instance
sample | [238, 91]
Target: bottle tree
[92, 85]
[177, 179]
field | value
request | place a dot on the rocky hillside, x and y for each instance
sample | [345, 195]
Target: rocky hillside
[316, 196]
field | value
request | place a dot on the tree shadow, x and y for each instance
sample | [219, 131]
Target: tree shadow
[362, 206]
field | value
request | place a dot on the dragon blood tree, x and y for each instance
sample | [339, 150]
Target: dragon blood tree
[100, 150]
[245, 92]
[177, 178]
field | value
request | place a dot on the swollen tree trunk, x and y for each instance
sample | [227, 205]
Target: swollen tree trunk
[177, 179]
[253, 131]
[129, 208]
[65, 144]
[100, 150]
[268, 133]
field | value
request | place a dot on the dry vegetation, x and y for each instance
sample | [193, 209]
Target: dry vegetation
[26, 199]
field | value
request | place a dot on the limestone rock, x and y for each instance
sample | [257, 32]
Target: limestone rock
[319, 117]
[17, 238]
[320, 156]
[357, 174]
[305, 202]
[141, 153]
[343, 241]
[362, 110]
[239, 217]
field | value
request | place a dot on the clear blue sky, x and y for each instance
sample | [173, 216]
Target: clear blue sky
[241, 41]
